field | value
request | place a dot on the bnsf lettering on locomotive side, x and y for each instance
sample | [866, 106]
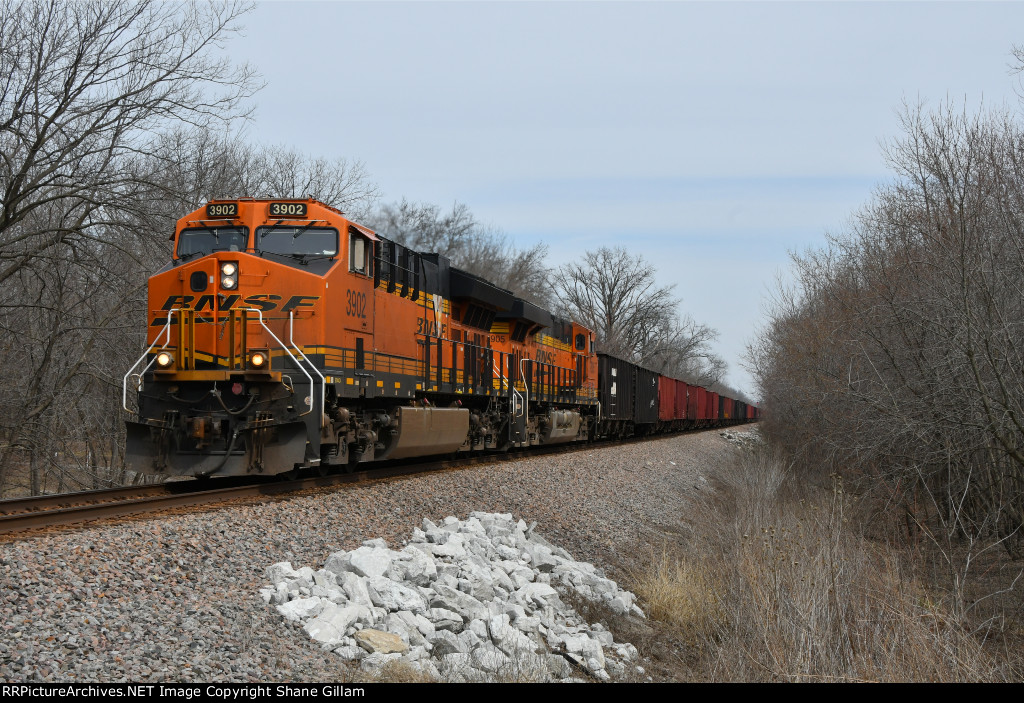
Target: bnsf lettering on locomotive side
[300, 301]
[429, 327]
[263, 301]
[356, 304]
[545, 357]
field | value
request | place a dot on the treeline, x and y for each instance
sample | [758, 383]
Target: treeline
[896, 360]
[116, 118]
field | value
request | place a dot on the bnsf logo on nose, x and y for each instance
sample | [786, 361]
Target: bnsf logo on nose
[261, 301]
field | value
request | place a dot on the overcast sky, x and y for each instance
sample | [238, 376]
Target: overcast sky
[711, 138]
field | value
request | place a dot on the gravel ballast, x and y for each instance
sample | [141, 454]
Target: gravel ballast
[177, 598]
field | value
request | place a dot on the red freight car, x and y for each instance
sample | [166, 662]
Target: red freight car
[680, 400]
[666, 399]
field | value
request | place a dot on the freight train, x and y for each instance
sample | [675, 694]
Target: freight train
[282, 335]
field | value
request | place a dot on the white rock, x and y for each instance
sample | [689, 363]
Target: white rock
[557, 666]
[445, 642]
[444, 619]
[593, 652]
[574, 643]
[355, 588]
[437, 536]
[413, 566]
[415, 621]
[350, 652]
[508, 638]
[364, 561]
[281, 572]
[409, 635]
[377, 660]
[540, 593]
[527, 624]
[627, 652]
[464, 604]
[331, 625]
[301, 609]
[521, 577]
[456, 663]
[393, 596]
[489, 658]
[448, 549]
[479, 628]
[618, 606]
[470, 640]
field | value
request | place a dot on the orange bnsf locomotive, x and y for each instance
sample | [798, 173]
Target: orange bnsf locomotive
[283, 335]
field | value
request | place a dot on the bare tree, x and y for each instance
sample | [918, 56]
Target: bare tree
[85, 86]
[86, 90]
[278, 172]
[617, 295]
[471, 245]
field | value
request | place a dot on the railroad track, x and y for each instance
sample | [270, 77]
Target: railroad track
[24, 515]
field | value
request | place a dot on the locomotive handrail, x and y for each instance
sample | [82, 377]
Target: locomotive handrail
[501, 376]
[167, 329]
[526, 404]
[288, 352]
[323, 381]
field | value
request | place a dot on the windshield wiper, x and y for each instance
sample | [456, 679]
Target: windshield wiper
[306, 258]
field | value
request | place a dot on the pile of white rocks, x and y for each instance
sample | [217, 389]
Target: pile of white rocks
[744, 439]
[465, 600]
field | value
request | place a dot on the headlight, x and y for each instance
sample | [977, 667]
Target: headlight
[228, 275]
[164, 359]
[259, 359]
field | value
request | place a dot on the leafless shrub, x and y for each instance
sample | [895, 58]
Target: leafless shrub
[776, 582]
[896, 358]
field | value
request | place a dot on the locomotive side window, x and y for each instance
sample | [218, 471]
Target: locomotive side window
[581, 342]
[359, 253]
[306, 242]
[206, 240]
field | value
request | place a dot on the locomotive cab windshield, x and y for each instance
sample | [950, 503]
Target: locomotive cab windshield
[206, 240]
[301, 242]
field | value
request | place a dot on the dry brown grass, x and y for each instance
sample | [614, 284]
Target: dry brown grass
[684, 593]
[775, 581]
[400, 672]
